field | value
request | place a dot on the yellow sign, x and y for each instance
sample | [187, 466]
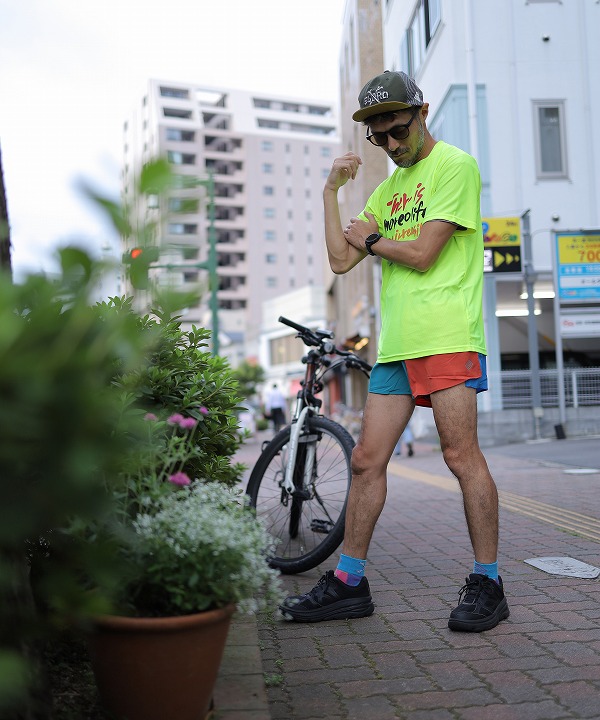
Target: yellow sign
[501, 232]
[575, 249]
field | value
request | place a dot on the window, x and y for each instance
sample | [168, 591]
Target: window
[183, 205]
[267, 168]
[190, 253]
[271, 258]
[419, 34]
[325, 152]
[178, 158]
[182, 228]
[190, 277]
[269, 212]
[549, 127]
[271, 282]
[268, 190]
[266, 145]
[180, 135]
[174, 93]
[177, 113]
[269, 235]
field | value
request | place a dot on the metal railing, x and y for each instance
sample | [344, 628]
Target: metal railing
[582, 387]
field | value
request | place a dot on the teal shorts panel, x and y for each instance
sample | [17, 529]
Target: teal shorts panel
[389, 379]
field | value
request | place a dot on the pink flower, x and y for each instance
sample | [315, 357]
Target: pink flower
[188, 422]
[179, 478]
[150, 417]
[175, 419]
[203, 410]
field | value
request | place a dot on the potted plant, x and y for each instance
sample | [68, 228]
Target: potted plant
[192, 551]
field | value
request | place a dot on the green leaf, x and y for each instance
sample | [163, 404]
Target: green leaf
[156, 177]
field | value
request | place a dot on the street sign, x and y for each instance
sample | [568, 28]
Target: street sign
[502, 244]
[578, 255]
[581, 323]
[502, 259]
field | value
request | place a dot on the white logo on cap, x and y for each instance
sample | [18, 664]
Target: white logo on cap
[375, 96]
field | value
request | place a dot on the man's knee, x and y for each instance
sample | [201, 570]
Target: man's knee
[365, 461]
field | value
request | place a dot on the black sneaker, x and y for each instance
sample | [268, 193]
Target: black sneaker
[481, 605]
[330, 599]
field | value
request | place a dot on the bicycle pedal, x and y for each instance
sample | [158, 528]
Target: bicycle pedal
[301, 494]
[322, 527]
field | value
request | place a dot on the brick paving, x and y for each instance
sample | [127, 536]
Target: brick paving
[542, 663]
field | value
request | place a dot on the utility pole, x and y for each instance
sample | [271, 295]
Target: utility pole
[529, 277]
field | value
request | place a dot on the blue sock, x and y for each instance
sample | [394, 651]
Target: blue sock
[350, 570]
[491, 569]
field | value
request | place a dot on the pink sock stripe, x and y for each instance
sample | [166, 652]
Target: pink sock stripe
[341, 575]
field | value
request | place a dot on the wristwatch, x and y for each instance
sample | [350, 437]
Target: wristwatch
[371, 240]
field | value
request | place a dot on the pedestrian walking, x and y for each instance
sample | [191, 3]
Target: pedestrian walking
[275, 405]
[424, 222]
[407, 438]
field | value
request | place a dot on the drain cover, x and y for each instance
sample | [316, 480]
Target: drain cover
[564, 566]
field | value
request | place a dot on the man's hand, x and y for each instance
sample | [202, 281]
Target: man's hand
[342, 170]
[357, 231]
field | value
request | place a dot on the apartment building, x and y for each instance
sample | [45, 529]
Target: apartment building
[268, 156]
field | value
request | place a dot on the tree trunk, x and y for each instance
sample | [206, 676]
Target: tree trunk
[5, 263]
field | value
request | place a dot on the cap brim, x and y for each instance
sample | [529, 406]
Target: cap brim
[379, 108]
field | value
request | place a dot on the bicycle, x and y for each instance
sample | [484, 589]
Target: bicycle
[299, 484]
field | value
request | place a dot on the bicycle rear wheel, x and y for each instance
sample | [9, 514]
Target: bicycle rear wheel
[309, 525]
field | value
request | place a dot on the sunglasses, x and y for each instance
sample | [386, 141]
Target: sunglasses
[397, 132]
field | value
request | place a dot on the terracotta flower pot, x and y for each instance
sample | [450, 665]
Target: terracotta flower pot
[158, 668]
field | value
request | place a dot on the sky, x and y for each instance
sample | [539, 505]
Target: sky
[72, 70]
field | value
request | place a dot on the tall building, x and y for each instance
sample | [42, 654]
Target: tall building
[269, 156]
[354, 297]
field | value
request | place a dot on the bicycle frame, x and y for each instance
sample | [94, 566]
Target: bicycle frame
[307, 404]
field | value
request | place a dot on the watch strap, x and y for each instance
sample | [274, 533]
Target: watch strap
[370, 241]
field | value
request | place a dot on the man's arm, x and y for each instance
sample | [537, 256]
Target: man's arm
[419, 253]
[343, 255]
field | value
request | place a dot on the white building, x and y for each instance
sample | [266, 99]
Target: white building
[269, 156]
[515, 83]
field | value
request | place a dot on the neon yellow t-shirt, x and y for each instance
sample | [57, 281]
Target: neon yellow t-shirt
[439, 310]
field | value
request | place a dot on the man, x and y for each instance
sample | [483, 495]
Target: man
[424, 223]
[275, 405]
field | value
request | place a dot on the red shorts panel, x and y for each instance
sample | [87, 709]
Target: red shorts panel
[429, 374]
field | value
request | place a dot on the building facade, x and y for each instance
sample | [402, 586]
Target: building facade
[268, 157]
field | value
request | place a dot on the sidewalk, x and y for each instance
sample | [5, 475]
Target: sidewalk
[542, 663]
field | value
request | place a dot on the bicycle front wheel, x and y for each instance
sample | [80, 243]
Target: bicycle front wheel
[309, 525]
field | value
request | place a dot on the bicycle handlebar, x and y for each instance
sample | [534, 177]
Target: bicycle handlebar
[317, 337]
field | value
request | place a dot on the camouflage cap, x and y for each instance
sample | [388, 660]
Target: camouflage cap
[388, 92]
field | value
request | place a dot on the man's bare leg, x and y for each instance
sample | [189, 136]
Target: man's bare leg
[384, 420]
[455, 414]
[482, 604]
[345, 594]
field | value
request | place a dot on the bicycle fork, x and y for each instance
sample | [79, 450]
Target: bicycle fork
[295, 434]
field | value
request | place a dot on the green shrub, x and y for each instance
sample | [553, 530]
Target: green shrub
[182, 376]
